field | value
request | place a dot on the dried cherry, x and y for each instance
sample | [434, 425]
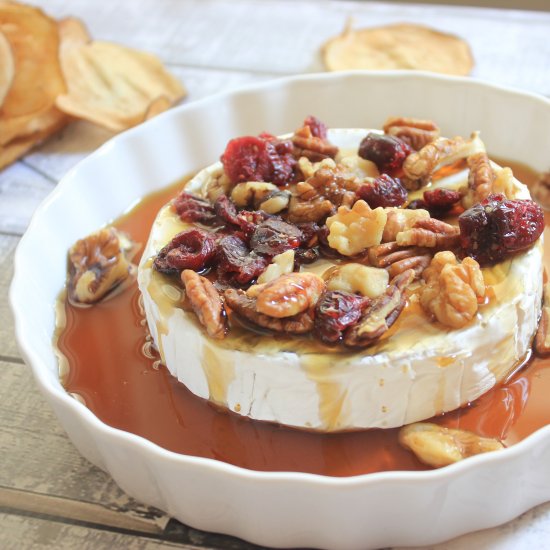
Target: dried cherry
[193, 209]
[263, 158]
[236, 261]
[498, 227]
[316, 126]
[335, 311]
[226, 210]
[387, 152]
[273, 236]
[440, 201]
[383, 191]
[191, 249]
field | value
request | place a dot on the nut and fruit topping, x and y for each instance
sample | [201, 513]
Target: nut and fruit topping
[98, 264]
[281, 204]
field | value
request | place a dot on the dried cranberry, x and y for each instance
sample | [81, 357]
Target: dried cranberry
[309, 233]
[383, 191]
[417, 204]
[318, 128]
[258, 159]
[237, 261]
[274, 236]
[498, 227]
[226, 210]
[440, 201]
[193, 209]
[192, 249]
[335, 311]
[387, 152]
[306, 255]
[248, 220]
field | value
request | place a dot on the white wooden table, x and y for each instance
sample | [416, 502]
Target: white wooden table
[50, 497]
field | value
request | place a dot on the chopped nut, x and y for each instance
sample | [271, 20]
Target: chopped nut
[480, 179]
[401, 219]
[438, 446]
[206, 303]
[422, 164]
[353, 278]
[353, 230]
[430, 233]
[290, 294]
[245, 306]
[414, 131]
[541, 190]
[218, 184]
[359, 167]
[309, 168]
[320, 194]
[381, 313]
[312, 147]
[505, 183]
[542, 338]
[251, 193]
[275, 202]
[97, 264]
[452, 289]
[280, 265]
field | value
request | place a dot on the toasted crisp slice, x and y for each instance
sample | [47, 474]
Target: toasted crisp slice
[44, 125]
[399, 46]
[34, 41]
[114, 86]
[7, 67]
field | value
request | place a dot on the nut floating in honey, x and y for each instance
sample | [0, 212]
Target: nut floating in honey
[398, 46]
[99, 263]
[438, 446]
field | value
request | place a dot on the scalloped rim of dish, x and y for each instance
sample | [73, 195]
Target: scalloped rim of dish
[24, 332]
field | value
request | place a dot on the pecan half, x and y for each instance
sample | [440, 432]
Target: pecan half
[422, 164]
[290, 294]
[480, 179]
[381, 314]
[245, 306]
[414, 131]
[206, 303]
[312, 147]
[397, 259]
[452, 289]
[430, 233]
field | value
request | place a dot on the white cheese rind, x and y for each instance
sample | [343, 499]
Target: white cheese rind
[424, 369]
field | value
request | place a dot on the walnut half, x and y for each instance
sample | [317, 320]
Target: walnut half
[97, 264]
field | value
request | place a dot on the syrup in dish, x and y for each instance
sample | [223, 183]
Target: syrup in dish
[109, 363]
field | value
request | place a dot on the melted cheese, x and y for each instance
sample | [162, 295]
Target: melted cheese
[418, 370]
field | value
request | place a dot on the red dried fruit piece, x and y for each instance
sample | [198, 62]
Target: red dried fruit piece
[498, 227]
[317, 127]
[236, 261]
[335, 312]
[193, 209]
[387, 152]
[417, 204]
[384, 191]
[264, 158]
[274, 236]
[192, 249]
[441, 198]
[248, 220]
[226, 210]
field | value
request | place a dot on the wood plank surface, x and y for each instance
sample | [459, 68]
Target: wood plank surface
[51, 497]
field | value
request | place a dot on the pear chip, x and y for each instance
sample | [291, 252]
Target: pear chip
[398, 46]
